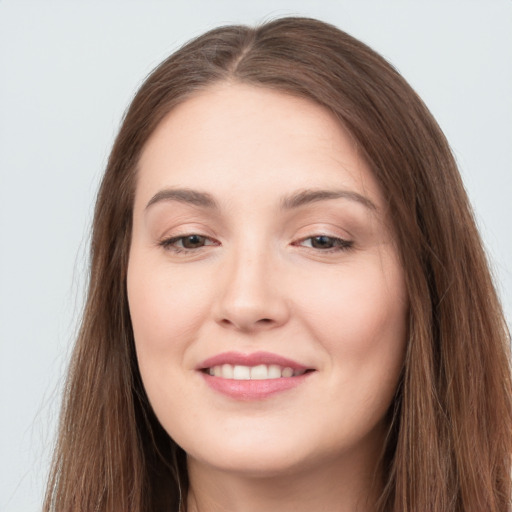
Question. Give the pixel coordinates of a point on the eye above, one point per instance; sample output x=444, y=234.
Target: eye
x=187, y=242
x=325, y=242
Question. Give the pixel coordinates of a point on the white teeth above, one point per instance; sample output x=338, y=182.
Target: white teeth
x=274, y=371
x=227, y=371
x=259, y=372
x=241, y=372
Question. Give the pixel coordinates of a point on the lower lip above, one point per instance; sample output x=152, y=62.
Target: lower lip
x=253, y=389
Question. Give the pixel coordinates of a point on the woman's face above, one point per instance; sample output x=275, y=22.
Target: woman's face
x=266, y=295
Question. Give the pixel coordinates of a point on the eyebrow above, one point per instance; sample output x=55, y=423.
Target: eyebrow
x=308, y=196
x=296, y=200
x=184, y=195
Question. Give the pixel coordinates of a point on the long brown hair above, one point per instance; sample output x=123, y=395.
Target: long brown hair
x=449, y=443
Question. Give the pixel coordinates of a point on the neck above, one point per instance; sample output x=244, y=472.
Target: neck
x=330, y=487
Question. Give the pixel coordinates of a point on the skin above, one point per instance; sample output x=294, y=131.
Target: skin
x=260, y=281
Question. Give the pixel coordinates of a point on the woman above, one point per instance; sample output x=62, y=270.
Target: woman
x=289, y=304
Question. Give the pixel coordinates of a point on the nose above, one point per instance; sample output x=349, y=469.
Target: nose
x=251, y=295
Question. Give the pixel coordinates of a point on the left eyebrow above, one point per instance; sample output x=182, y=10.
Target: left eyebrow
x=304, y=197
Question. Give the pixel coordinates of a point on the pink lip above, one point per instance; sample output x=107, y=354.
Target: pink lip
x=252, y=389
x=253, y=359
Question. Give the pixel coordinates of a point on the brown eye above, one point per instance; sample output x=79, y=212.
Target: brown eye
x=326, y=243
x=187, y=242
x=323, y=242
x=192, y=241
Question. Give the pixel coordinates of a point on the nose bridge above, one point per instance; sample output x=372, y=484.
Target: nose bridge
x=250, y=295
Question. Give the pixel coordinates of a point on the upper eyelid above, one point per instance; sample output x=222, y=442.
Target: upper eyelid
x=308, y=232
x=209, y=237
x=179, y=232
x=315, y=232
x=326, y=234
x=170, y=243
x=345, y=242
x=175, y=238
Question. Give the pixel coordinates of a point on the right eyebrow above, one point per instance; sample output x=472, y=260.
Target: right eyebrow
x=184, y=195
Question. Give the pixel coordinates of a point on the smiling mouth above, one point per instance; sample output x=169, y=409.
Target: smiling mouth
x=256, y=376
x=258, y=372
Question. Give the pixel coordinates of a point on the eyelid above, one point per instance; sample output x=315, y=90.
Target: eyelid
x=168, y=242
x=339, y=243
x=334, y=243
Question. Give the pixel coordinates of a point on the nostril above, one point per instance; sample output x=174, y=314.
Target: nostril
x=262, y=322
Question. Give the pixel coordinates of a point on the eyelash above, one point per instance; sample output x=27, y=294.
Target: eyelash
x=170, y=243
x=338, y=244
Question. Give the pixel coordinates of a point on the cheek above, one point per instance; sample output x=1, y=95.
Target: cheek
x=165, y=308
x=166, y=313
x=360, y=318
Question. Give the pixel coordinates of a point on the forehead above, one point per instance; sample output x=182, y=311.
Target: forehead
x=239, y=139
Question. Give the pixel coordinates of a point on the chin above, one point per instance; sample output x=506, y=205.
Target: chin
x=272, y=453
x=252, y=464
x=257, y=454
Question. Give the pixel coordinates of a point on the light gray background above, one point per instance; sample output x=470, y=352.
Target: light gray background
x=67, y=72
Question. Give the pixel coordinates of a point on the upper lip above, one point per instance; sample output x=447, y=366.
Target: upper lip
x=254, y=359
